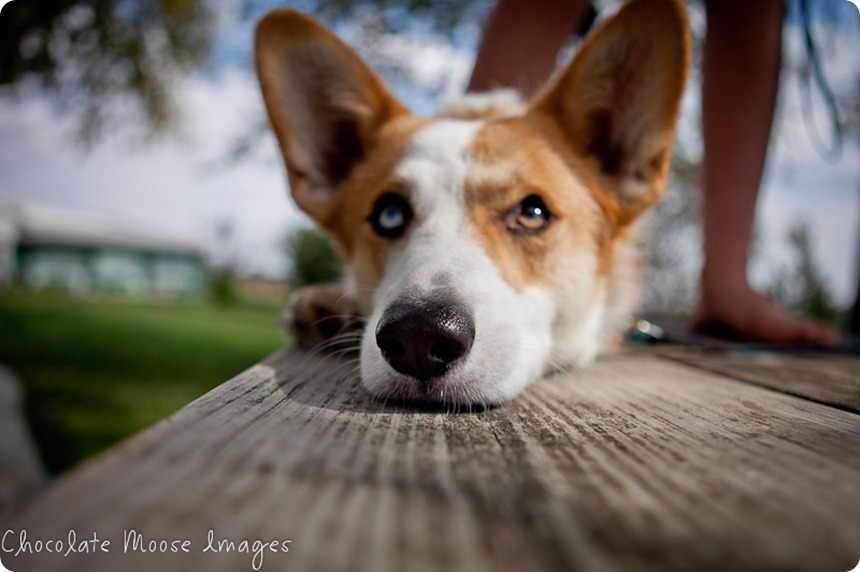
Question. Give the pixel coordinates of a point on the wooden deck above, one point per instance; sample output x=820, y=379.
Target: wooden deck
x=649, y=460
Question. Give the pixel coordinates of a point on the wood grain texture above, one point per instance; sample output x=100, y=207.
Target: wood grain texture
x=638, y=463
x=828, y=378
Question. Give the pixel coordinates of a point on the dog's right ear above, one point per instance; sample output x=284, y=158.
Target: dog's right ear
x=618, y=100
x=325, y=104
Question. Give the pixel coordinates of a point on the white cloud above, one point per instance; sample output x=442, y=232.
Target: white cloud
x=180, y=185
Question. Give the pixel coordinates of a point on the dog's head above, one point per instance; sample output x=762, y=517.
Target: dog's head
x=483, y=252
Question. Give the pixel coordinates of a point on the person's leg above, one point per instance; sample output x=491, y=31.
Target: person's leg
x=740, y=79
x=521, y=42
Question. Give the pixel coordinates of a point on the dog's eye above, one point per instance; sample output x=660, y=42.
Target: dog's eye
x=391, y=215
x=531, y=215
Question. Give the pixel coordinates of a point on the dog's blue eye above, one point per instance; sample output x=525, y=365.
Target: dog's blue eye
x=531, y=215
x=391, y=215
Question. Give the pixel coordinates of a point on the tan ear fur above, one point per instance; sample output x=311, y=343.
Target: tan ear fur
x=617, y=102
x=325, y=104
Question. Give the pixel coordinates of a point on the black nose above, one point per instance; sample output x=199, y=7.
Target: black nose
x=425, y=340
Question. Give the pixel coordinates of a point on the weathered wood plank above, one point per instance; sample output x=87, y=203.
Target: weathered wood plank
x=824, y=377
x=636, y=463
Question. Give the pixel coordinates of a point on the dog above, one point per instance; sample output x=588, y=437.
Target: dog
x=492, y=246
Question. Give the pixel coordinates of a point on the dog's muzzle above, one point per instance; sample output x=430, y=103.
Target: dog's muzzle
x=425, y=339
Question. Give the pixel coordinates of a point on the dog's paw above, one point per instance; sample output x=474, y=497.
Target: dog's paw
x=318, y=313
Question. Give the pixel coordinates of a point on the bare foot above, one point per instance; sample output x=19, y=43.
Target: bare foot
x=744, y=314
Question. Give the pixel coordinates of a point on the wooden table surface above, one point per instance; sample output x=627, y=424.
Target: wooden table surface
x=673, y=460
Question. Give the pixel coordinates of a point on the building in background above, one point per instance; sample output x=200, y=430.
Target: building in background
x=45, y=248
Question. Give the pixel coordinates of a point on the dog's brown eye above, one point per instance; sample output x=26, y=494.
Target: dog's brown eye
x=530, y=216
x=391, y=215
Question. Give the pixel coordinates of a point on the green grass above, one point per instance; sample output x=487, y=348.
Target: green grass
x=95, y=372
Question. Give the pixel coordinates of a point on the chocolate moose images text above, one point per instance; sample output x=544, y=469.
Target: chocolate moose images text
x=17, y=543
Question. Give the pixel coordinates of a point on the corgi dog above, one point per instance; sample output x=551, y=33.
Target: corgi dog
x=489, y=247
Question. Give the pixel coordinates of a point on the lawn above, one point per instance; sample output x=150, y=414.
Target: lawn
x=94, y=372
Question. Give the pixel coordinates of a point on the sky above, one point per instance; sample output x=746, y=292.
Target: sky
x=184, y=185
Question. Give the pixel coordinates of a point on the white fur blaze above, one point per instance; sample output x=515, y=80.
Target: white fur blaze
x=440, y=256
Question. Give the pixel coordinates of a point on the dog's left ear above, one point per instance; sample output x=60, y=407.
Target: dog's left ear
x=618, y=100
x=326, y=105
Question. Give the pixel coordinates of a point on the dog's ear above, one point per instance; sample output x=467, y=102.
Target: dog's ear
x=617, y=102
x=325, y=104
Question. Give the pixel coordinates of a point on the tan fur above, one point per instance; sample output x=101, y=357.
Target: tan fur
x=357, y=244
x=512, y=160
x=498, y=104
x=314, y=86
